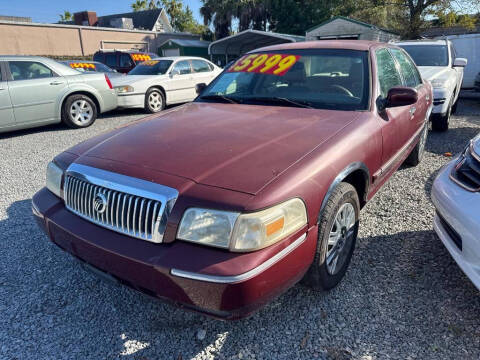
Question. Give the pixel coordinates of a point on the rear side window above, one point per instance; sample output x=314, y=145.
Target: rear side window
x=126, y=61
x=29, y=70
x=407, y=67
x=388, y=75
x=182, y=68
x=200, y=66
x=98, y=57
x=111, y=60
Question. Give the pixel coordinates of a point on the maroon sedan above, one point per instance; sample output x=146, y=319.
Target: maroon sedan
x=222, y=204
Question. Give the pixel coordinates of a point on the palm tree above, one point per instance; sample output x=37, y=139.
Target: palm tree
x=220, y=13
x=140, y=5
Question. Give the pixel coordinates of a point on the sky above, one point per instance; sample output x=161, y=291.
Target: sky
x=48, y=10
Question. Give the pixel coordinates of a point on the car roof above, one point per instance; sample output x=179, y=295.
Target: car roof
x=174, y=58
x=422, y=42
x=24, y=57
x=80, y=61
x=325, y=44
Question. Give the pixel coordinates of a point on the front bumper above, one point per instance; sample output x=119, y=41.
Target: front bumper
x=457, y=222
x=441, y=101
x=131, y=100
x=109, y=98
x=188, y=275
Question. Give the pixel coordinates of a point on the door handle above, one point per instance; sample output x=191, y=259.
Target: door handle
x=412, y=110
x=2, y=88
x=56, y=83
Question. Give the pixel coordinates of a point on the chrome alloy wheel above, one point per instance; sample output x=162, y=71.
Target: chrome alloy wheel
x=155, y=101
x=81, y=112
x=340, y=239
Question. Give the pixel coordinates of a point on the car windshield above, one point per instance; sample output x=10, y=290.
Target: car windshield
x=151, y=67
x=312, y=78
x=428, y=55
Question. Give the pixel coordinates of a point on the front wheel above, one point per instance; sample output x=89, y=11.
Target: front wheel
x=79, y=111
x=154, y=101
x=441, y=122
x=337, y=234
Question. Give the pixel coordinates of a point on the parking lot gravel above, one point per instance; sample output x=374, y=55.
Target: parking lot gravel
x=403, y=296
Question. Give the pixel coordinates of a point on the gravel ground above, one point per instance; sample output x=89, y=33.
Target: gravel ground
x=403, y=296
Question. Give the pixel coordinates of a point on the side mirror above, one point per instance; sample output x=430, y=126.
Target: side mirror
x=460, y=62
x=200, y=87
x=401, y=96
x=174, y=73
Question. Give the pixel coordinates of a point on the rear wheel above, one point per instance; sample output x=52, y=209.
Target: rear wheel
x=337, y=234
x=417, y=153
x=154, y=101
x=79, y=111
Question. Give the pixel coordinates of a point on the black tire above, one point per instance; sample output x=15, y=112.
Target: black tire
x=150, y=107
x=320, y=275
x=416, y=155
x=440, y=123
x=79, y=111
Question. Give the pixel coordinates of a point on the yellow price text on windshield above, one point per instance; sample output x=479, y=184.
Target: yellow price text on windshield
x=272, y=64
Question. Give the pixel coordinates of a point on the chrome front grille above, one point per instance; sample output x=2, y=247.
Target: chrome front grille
x=466, y=172
x=127, y=205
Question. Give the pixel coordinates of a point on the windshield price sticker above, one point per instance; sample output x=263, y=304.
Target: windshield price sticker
x=141, y=57
x=82, y=65
x=272, y=64
x=150, y=63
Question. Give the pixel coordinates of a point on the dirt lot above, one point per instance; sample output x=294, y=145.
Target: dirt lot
x=403, y=296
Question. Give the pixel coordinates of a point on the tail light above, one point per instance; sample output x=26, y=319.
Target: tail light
x=109, y=83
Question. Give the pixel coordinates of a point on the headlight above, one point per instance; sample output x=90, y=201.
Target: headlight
x=124, y=89
x=439, y=83
x=242, y=232
x=54, y=179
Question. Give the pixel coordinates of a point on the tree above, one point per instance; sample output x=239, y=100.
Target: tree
x=181, y=18
x=140, y=5
x=412, y=16
x=220, y=14
x=66, y=16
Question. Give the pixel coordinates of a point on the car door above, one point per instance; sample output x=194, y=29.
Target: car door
x=412, y=79
x=34, y=91
x=202, y=72
x=395, y=119
x=7, y=117
x=180, y=84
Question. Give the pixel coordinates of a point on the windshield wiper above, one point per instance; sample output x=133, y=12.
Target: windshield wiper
x=219, y=97
x=282, y=100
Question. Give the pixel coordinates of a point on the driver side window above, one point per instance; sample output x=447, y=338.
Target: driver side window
x=387, y=73
x=29, y=70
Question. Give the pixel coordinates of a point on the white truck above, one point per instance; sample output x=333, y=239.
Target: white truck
x=437, y=62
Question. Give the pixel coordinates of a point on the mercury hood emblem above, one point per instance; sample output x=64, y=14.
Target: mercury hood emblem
x=100, y=203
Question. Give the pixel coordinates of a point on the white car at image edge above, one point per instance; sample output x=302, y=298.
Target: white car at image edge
x=456, y=197
x=153, y=84
x=438, y=63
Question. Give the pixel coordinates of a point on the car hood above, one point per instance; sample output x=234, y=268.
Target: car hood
x=433, y=72
x=136, y=79
x=235, y=147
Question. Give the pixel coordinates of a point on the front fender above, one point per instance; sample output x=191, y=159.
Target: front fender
x=342, y=176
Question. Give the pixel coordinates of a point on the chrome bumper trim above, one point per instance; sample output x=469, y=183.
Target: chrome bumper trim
x=241, y=277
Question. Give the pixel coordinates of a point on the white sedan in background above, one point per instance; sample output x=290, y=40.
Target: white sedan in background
x=456, y=196
x=153, y=84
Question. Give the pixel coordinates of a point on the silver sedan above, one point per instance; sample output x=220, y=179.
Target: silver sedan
x=36, y=91
x=456, y=196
